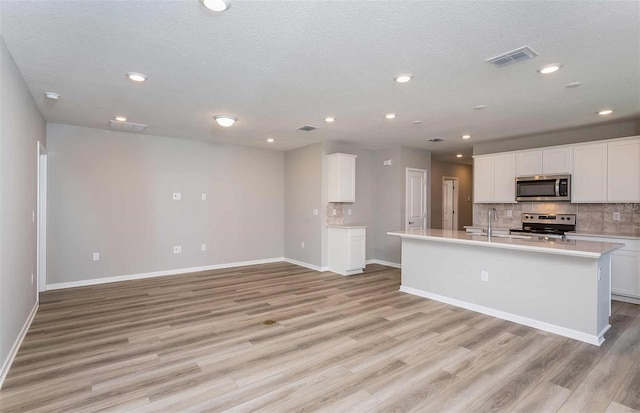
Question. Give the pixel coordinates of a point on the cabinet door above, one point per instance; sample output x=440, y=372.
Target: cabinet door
x=624, y=171
x=557, y=161
x=589, y=180
x=504, y=178
x=342, y=177
x=625, y=273
x=483, y=179
x=357, y=252
x=529, y=163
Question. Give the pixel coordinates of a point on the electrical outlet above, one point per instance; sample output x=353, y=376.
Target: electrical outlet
x=349, y=211
x=203, y=247
x=96, y=256
x=509, y=213
x=203, y=196
x=315, y=211
x=302, y=244
x=616, y=216
x=334, y=212
x=31, y=278
x=177, y=196
x=177, y=249
x=484, y=276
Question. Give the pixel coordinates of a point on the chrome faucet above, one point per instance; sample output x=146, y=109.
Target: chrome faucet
x=492, y=214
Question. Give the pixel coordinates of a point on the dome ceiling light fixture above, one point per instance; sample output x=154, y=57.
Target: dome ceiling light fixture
x=137, y=77
x=271, y=140
x=550, y=68
x=225, y=120
x=121, y=118
x=605, y=112
x=390, y=116
x=466, y=136
x=52, y=95
x=403, y=77
x=216, y=5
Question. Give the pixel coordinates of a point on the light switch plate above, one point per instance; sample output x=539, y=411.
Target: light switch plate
x=177, y=249
x=203, y=247
x=302, y=244
x=177, y=196
x=96, y=256
x=203, y=196
x=616, y=216
x=349, y=211
x=315, y=211
x=484, y=276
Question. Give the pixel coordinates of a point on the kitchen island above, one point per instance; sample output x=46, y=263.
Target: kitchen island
x=560, y=286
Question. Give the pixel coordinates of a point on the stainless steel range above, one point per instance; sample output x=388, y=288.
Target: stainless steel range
x=554, y=225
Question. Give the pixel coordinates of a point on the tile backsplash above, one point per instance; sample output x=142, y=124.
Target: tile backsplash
x=596, y=218
x=337, y=219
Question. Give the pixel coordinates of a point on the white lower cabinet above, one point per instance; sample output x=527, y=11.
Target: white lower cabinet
x=347, y=249
x=625, y=265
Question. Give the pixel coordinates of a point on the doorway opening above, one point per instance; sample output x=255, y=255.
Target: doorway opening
x=41, y=265
x=450, y=202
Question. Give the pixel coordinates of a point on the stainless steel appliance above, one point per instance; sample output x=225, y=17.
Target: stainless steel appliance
x=543, y=188
x=551, y=225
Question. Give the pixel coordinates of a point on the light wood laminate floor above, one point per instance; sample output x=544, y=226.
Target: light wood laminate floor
x=197, y=342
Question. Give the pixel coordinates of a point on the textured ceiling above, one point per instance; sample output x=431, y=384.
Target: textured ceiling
x=279, y=65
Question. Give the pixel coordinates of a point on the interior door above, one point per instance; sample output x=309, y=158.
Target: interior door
x=447, y=204
x=416, y=199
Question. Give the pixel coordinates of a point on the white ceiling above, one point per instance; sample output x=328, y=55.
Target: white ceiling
x=279, y=65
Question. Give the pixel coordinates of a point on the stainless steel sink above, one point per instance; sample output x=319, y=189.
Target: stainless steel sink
x=482, y=234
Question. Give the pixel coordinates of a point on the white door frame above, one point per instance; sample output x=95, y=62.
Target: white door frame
x=406, y=196
x=456, y=182
x=41, y=264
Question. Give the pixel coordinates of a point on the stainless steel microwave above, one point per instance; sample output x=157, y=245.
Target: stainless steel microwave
x=543, y=188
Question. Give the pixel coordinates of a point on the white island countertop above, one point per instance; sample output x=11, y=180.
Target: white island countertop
x=576, y=248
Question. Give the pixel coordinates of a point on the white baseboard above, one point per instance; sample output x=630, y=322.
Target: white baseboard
x=540, y=325
x=129, y=277
x=387, y=263
x=16, y=345
x=305, y=265
x=625, y=299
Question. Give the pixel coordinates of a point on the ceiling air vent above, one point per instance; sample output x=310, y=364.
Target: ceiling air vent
x=518, y=55
x=308, y=128
x=127, y=126
x=435, y=140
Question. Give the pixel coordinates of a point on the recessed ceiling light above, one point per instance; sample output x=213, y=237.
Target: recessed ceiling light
x=329, y=119
x=573, y=84
x=466, y=136
x=137, y=77
x=121, y=119
x=416, y=122
x=271, y=140
x=390, y=116
x=52, y=95
x=605, y=112
x=459, y=155
x=480, y=107
x=546, y=69
x=403, y=77
x=225, y=120
x=216, y=5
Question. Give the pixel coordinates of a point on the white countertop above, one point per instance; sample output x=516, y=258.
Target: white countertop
x=601, y=235
x=577, y=248
x=346, y=226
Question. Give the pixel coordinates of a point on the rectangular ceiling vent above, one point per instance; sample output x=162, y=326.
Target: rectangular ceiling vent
x=436, y=140
x=308, y=128
x=514, y=56
x=127, y=126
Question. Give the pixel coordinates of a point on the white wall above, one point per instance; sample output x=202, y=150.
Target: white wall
x=111, y=192
x=21, y=127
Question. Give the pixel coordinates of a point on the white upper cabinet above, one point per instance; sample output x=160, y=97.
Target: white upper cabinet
x=342, y=177
x=529, y=163
x=624, y=171
x=505, y=178
x=550, y=161
x=557, y=161
x=483, y=179
x=589, y=179
x=494, y=178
